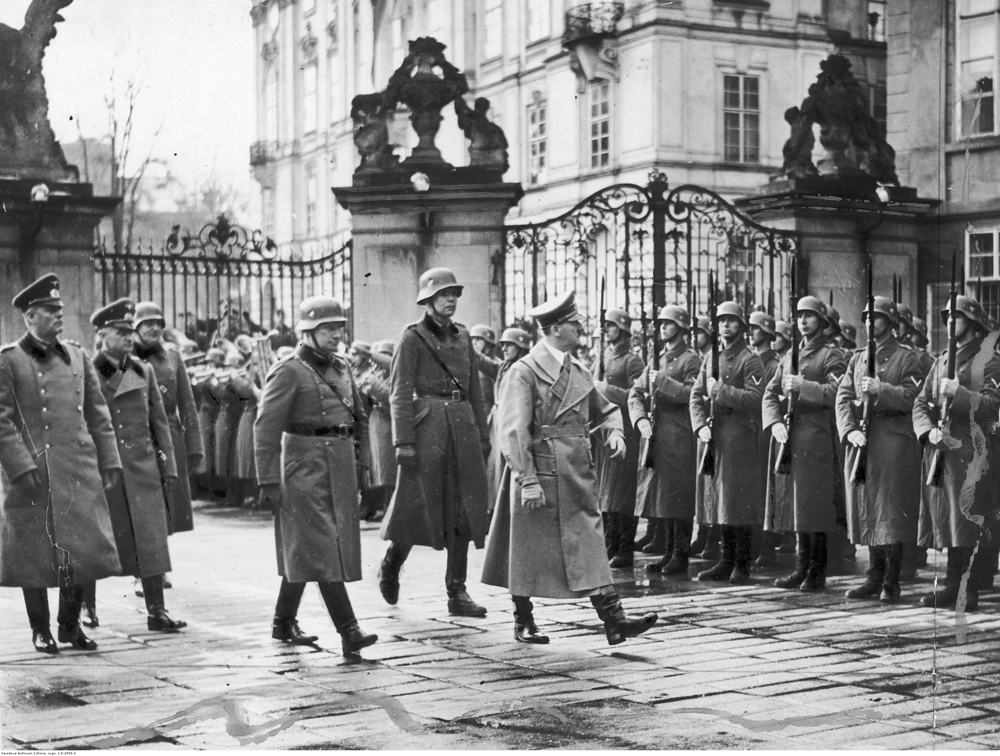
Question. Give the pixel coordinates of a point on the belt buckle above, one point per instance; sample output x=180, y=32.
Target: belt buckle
x=342, y=431
x=456, y=395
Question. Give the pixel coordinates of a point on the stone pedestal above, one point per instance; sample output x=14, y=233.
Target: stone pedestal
x=831, y=217
x=51, y=236
x=399, y=233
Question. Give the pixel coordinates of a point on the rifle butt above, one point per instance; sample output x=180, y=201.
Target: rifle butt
x=706, y=465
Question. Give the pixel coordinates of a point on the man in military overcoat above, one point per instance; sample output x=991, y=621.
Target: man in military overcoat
x=806, y=499
x=547, y=539
x=442, y=439
x=139, y=502
x=762, y=334
x=374, y=388
x=707, y=544
x=57, y=455
x=952, y=512
x=178, y=403
x=882, y=511
x=484, y=342
x=724, y=411
x=658, y=406
x=310, y=436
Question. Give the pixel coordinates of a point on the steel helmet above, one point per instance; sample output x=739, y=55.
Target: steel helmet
x=920, y=331
x=244, y=344
x=385, y=346
x=905, y=314
x=968, y=307
x=783, y=329
x=485, y=333
x=833, y=318
x=813, y=304
x=730, y=309
x=517, y=337
x=850, y=335
x=435, y=281
x=676, y=315
x=361, y=347
x=887, y=307
x=704, y=325
x=148, y=311
x=764, y=322
x=315, y=311
x=619, y=318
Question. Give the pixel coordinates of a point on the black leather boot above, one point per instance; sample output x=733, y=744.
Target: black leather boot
x=677, y=562
x=698, y=544
x=802, y=550
x=890, y=582
x=610, y=521
x=338, y=604
x=789, y=543
x=874, y=576
x=36, y=602
x=659, y=543
x=769, y=543
x=288, y=631
x=947, y=598
x=641, y=543
x=89, y=607
x=158, y=619
x=908, y=565
x=459, y=602
x=619, y=626
x=724, y=568
x=815, y=580
x=742, y=540
x=388, y=573
x=525, y=629
x=625, y=558
x=984, y=567
x=713, y=545
x=353, y=639
x=70, y=602
x=285, y=627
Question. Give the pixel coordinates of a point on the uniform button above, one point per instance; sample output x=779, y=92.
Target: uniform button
x=42, y=391
x=79, y=408
x=121, y=427
x=39, y=375
x=48, y=427
x=45, y=409
x=48, y=446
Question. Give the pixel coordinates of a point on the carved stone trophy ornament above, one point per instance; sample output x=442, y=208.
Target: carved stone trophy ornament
x=28, y=147
x=487, y=142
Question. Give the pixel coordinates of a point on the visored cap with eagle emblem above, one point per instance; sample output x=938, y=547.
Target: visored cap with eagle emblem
x=44, y=291
x=560, y=309
x=118, y=314
x=315, y=311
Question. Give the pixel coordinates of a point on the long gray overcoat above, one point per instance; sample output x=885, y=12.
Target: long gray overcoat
x=138, y=504
x=948, y=514
x=185, y=429
x=546, y=417
x=806, y=500
x=53, y=419
x=316, y=529
x=496, y=370
x=735, y=496
x=617, y=478
x=668, y=489
x=375, y=390
x=449, y=480
x=886, y=508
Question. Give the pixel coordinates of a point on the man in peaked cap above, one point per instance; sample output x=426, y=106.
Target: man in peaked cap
x=547, y=540
x=310, y=435
x=439, y=428
x=139, y=502
x=57, y=455
x=616, y=479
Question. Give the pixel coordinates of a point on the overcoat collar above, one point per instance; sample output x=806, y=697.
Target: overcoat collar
x=738, y=345
x=570, y=392
x=107, y=367
x=318, y=361
x=145, y=351
x=810, y=347
x=673, y=351
x=39, y=351
x=618, y=349
x=767, y=355
x=450, y=331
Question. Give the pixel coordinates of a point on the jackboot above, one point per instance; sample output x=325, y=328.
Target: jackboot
x=288, y=631
x=70, y=601
x=742, y=536
x=958, y=565
x=713, y=544
x=285, y=626
x=815, y=580
x=36, y=602
x=610, y=520
x=641, y=543
x=768, y=549
x=459, y=602
x=625, y=558
x=789, y=543
x=388, y=573
x=724, y=568
x=659, y=543
x=698, y=544
x=525, y=629
x=677, y=562
x=908, y=566
x=158, y=619
x=802, y=549
x=890, y=583
x=619, y=626
x=338, y=604
x=983, y=567
x=90, y=605
x=874, y=576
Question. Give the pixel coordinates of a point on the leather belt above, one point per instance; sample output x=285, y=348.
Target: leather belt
x=339, y=431
x=562, y=431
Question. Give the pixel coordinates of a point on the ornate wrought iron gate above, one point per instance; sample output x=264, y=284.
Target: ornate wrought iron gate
x=229, y=280
x=654, y=246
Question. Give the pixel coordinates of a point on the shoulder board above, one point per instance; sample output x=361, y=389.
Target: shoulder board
x=459, y=325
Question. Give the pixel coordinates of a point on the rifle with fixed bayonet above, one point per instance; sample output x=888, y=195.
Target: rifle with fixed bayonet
x=604, y=314
x=707, y=466
x=936, y=468
x=783, y=463
x=859, y=472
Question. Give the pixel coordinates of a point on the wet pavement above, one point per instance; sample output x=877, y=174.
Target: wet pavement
x=727, y=667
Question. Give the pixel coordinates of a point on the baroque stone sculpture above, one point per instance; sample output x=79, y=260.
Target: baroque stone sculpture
x=487, y=142
x=847, y=131
x=28, y=147
x=371, y=132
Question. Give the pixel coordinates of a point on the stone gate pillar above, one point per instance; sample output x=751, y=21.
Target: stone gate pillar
x=420, y=213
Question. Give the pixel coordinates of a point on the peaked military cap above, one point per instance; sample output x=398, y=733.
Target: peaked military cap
x=118, y=314
x=44, y=291
x=560, y=309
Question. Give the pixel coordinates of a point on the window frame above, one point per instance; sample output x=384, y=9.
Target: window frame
x=994, y=232
x=542, y=10
x=742, y=111
x=603, y=118
x=492, y=7
x=312, y=202
x=962, y=99
x=537, y=178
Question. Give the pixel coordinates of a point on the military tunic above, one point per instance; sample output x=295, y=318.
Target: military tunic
x=668, y=489
x=735, y=498
x=547, y=413
x=946, y=518
x=447, y=426
x=885, y=510
x=806, y=500
x=139, y=504
x=616, y=478
x=54, y=419
x=185, y=429
x=316, y=529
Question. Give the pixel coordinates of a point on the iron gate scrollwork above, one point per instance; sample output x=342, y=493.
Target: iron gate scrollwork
x=655, y=246
x=225, y=279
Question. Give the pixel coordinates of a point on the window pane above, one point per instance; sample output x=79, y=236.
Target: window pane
x=750, y=94
x=493, y=28
x=731, y=136
x=309, y=99
x=731, y=92
x=751, y=138
x=981, y=254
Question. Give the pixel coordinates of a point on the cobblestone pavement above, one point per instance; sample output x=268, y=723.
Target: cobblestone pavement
x=729, y=667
